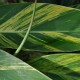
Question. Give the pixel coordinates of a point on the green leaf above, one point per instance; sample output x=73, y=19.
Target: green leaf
x=12, y=68
x=59, y=66
x=56, y=28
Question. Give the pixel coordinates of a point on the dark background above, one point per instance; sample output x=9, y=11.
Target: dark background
x=59, y=2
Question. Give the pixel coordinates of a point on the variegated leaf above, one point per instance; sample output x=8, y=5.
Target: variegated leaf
x=59, y=66
x=55, y=28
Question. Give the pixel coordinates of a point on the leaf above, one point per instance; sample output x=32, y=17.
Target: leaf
x=56, y=28
x=59, y=66
x=12, y=68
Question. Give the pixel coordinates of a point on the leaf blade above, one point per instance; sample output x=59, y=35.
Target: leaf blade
x=12, y=68
x=54, y=28
x=59, y=66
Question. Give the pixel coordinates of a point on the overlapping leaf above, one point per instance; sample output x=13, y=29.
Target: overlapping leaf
x=56, y=28
x=12, y=68
x=59, y=66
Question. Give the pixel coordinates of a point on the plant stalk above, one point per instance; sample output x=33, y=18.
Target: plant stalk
x=27, y=33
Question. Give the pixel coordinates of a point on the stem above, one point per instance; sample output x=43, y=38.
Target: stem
x=27, y=33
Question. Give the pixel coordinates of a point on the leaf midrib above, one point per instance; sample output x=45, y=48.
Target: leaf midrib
x=38, y=31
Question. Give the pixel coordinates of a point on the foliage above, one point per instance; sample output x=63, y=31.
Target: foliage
x=49, y=32
x=12, y=68
x=55, y=29
x=59, y=66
